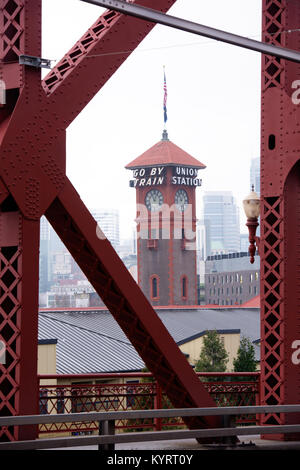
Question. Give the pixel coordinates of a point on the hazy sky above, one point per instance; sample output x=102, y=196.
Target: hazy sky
x=213, y=102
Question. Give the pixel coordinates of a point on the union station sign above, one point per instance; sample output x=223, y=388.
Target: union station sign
x=157, y=175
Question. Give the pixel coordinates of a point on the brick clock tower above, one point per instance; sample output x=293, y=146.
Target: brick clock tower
x=165, y=179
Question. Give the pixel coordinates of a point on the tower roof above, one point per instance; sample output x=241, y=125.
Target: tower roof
x=165, y=152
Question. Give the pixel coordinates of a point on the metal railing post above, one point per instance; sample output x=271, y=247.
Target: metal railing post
x=228, y=421
x=106, y=428
x=158, y=406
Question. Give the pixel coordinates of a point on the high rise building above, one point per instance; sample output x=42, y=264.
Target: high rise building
x=255, y=174
x=108, y=221
x=222, y=214
x=44, y=255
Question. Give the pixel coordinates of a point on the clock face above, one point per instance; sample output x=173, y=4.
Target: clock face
x=181, y=200
x=154, y=200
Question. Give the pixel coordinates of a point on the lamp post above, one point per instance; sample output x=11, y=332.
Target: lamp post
x=251, y=206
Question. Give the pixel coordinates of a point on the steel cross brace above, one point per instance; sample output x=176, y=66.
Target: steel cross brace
x=33, y=182
x=148, y=14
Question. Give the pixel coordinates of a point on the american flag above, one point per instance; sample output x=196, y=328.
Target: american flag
x=165, y=99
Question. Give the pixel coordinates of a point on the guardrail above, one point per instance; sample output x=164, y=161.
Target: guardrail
x=139, y=391
x=108, y=439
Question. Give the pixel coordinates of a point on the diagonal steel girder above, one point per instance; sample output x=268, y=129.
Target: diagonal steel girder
x=33, y=182
x=155, y=16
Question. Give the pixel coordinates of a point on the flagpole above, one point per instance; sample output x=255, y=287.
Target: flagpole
x=165, y=134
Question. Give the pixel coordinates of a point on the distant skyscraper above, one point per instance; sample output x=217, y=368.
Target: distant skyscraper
x=222, y=214
x=203, y=238
x=244, y=242
x=255, y=174
x=108, y=221
x=44, y=255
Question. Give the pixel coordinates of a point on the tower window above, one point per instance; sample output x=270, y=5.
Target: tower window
x=184, y=287
x=154, y=287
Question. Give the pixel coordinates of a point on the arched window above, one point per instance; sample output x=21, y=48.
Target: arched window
x=184, y=287
x=154, y=287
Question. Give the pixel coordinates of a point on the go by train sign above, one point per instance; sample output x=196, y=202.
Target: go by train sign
x=158, y=175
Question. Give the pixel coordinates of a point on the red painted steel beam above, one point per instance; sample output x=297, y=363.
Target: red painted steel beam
x=280, y=216
x=20, y=24
x=33, y=180
x=19, y=256
x=98, y=54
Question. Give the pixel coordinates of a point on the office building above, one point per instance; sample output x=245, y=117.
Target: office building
x=108, y=221
x=222, y=214
x=230, y=279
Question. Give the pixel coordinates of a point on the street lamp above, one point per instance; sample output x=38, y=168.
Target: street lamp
x=252, y=210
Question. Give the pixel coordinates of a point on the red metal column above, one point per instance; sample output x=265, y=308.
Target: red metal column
x=19, y=236
x=32, y=146
x=19, y=257
x=280, y=235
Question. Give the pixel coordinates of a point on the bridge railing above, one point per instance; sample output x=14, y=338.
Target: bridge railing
x=134, y=391
x=107, y=438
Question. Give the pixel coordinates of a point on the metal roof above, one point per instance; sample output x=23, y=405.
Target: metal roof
x=167, y=153
x=91, y=340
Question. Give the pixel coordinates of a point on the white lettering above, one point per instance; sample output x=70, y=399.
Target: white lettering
x=2, y=93
x=149, y=181
x=119, y=460
x=296, y=354
x=160, y=169
x=142, y=182
x=160, y=180
x=99, y=233
x=153, y=171
x=296, y=94
x=171, y=459
x=2, y=352
x=157, y=459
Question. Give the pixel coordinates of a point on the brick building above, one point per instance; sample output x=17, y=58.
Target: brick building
x=230, y=279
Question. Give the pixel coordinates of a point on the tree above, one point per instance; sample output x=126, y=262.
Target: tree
x=213, y=356
x=245, y=360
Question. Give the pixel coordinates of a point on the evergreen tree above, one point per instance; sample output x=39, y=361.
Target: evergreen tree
x=213, y=356
x=245, y=360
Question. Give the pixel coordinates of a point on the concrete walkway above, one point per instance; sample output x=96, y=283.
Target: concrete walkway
x=246, y=443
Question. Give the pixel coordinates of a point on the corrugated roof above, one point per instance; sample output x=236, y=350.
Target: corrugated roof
x=80, y=350
x=92, y=341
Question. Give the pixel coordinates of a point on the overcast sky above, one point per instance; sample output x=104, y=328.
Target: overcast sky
x=213, y=102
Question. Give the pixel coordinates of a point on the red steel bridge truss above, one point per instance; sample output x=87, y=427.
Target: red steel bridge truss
x=33, y=183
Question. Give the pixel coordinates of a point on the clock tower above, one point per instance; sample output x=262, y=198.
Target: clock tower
x=165, y=178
